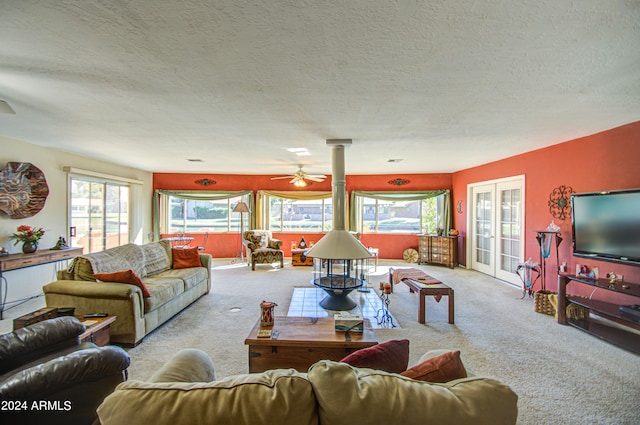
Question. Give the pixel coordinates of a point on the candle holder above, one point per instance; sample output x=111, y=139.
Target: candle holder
x=385, y=317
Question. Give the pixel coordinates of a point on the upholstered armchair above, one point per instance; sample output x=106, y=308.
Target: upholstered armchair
x=261, y=248
x=50, y=377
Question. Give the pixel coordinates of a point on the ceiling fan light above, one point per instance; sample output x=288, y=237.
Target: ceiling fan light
x=299, y=183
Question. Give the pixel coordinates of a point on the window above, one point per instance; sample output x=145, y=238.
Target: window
x=400, y=212
x=197, y=216
x=297, y=211
x=99, y=213
x=198, y=211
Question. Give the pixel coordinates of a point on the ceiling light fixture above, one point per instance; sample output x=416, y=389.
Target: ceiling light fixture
x=194, y=160
x=5, y=108
x=300, y=183
x=300, y=151
x=394, y=160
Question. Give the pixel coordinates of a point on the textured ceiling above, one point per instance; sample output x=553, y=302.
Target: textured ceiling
x=442, y=85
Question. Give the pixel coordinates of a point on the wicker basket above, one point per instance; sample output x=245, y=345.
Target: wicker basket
x=542, y=304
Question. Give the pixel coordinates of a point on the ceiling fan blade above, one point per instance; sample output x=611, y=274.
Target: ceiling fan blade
x=317, y=176
x=283, y=177
x=314, y=179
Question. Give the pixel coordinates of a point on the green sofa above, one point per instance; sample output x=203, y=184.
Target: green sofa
x=185, y=391
x=171, y=290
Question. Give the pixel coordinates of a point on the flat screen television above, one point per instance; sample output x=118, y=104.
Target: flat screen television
x=606, y=225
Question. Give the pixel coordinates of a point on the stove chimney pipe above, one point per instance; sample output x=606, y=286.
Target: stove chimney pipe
x=338, y=244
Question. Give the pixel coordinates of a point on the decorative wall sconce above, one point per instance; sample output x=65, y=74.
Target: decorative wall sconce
x=459, y=207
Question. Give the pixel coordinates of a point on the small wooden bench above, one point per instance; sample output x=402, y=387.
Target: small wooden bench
x=432, y=287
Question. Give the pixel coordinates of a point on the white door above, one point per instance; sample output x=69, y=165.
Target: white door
x=482, y=230
x=496, y=230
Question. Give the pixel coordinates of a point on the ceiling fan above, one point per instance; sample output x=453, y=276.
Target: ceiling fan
x=299, y=178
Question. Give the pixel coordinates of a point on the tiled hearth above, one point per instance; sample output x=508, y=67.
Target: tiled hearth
x=305, y=303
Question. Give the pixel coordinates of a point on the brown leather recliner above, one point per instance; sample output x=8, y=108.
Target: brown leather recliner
x=48, y=377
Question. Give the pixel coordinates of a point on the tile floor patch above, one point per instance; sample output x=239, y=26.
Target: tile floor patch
x=305, y=303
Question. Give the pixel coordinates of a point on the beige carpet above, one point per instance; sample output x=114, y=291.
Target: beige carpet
x=562, y=375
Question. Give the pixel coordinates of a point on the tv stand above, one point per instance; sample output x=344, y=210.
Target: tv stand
x=624, y=336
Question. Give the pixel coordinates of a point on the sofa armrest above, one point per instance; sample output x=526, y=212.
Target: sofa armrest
x=188, y=365
x=64, y=275
x=24, y=345
x=206, y=260
x=59, y=373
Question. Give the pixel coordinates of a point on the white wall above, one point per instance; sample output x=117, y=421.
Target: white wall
x=53, y=218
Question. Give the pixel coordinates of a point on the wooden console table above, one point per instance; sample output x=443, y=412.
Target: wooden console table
x=626, y=339
x=21, y=261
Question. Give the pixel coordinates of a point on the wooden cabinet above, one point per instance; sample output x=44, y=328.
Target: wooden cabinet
x=299, y=259
x=438, y=250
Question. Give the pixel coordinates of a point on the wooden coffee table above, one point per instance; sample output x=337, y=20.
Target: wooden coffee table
x=301, y=342
x=98, y=329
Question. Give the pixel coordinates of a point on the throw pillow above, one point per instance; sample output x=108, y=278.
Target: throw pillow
x=390, y=356
x=184, y=258
x=443, y=368
x=124, y=276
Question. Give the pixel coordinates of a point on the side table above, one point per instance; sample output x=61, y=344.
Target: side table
x=299, y=259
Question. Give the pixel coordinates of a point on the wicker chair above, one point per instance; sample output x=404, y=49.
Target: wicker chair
x=262, y=249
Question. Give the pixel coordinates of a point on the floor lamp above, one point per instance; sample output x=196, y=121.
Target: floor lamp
x=241, y=207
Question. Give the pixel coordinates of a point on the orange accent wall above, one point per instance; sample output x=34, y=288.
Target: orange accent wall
x=602, y=161
x=227, y=245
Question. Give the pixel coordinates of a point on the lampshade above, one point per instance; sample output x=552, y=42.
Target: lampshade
x=300, y=183
x=5, y=108
x=241, y=207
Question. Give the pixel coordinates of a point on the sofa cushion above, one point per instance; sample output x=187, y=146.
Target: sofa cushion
x=349, y=395
x=156, y=259
x=191, y=277
x=443, y=368
x=124, y=276
x=184, y=258
x=281, y=396
x=390, y=356
x=162, y=290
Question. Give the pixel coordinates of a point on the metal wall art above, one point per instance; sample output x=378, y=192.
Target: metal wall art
x=560, y=202
x=205, y=182
x=399, y=182
x=23, y=190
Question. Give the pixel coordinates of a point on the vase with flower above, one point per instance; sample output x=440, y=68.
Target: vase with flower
x=29, y=236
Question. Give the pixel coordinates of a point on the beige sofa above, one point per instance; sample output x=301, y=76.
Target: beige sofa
x=184, y=390
x=171, y=290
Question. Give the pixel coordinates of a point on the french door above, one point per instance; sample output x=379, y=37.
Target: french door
x=497, y=223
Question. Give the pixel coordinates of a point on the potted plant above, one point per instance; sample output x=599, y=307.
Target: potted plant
x=29, y=237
